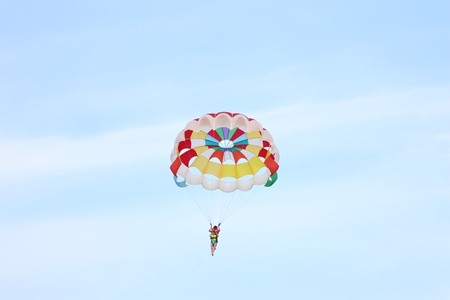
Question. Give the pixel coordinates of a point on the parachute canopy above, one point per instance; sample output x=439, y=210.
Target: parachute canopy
x=224, y=151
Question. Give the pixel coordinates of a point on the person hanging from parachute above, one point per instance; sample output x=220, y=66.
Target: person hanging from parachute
x=223, y=154
x=214, y=236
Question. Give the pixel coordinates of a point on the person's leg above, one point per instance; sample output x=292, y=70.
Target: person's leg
x=213, y=246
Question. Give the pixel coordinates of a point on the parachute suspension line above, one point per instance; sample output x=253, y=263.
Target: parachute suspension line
x=214, y=204
x=209, y=202
x=217, y=199
x=241, y=200
x=227, y=205
x=198, y=197
x=230, y=207
x=227, y=199
x=217, y=206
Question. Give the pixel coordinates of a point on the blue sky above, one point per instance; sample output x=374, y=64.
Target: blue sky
x=356, y=96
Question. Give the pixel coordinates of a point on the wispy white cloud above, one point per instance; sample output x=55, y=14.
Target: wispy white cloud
x=445, y=137
x=144, y=236
x=314, y=115
x=306, y=219
x=40, y=156
x=37, y=156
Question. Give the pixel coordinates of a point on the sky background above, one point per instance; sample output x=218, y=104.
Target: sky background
x=356, y=96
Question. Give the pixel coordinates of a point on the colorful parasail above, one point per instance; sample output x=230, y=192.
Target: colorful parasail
x=226, y=152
